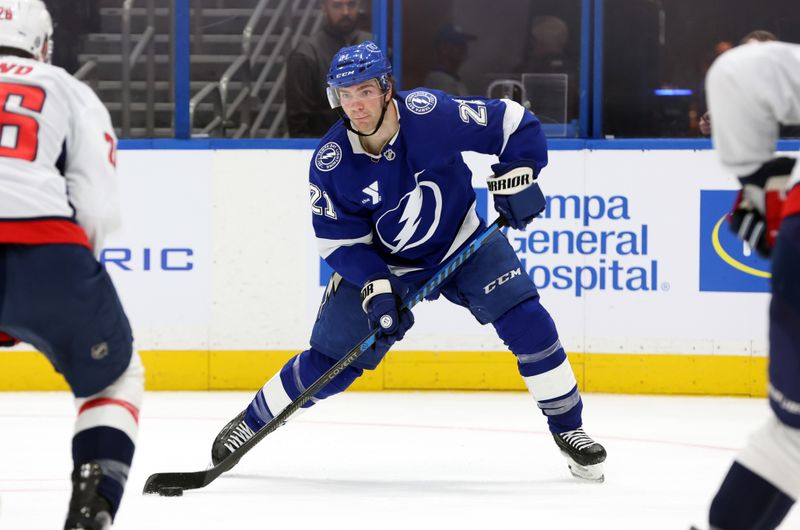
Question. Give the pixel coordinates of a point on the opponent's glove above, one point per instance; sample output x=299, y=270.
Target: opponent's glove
x=383, y=303
x=516, y=196
x=756, y=214
x=7, y=341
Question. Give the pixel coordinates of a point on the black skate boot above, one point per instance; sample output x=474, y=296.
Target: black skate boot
x=87, y=509
x=230, y=438
x=584, y=456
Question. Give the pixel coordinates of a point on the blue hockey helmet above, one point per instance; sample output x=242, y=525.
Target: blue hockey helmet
x=355, y=64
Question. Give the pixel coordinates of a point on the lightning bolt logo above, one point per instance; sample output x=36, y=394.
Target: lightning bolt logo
x=410, y=220
x=406, y=223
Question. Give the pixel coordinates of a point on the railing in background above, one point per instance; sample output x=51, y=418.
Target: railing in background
x=310, y=15
x=247, y=100
x=129, y=60
x=239, y=108
x=248, y=60
x=88, y=72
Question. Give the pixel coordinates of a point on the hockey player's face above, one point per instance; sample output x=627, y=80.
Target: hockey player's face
x=363, y=104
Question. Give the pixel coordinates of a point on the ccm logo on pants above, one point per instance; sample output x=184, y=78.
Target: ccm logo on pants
x=501, y=280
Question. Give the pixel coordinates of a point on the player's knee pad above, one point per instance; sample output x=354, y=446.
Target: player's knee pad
x=747, y=500
x=116, y=406
x=530, y=333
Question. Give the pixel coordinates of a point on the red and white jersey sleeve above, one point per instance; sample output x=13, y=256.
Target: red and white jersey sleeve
x=58, y=179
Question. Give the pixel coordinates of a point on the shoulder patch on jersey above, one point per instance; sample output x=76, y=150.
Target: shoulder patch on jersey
x=420, y=102
x=328, y=157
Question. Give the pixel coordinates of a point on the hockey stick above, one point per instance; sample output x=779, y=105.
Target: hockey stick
x=175, y=483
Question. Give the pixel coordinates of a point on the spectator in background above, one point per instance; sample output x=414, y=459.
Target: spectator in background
x=308, y=113
x=450, y=47
x=546, y=53
x=758, y=35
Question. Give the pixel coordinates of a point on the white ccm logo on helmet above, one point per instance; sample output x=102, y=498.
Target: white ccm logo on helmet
x=501, y=280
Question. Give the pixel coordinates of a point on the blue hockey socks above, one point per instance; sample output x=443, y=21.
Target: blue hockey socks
x=531, y=335
x=296, y=375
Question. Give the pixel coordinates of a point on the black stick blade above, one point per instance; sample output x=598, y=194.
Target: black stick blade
x=187, y=481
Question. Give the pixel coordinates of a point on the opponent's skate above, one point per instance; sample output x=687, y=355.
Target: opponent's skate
x=87, y=509
x=230, y=438
x=584, y=456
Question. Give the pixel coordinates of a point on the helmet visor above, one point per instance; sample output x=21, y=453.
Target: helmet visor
x=339, y=96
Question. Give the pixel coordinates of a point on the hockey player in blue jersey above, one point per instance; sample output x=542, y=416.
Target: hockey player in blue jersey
x=392, y=199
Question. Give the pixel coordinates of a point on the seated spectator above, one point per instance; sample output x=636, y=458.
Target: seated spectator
x=308, y=113
x=546, y=52
x=450, y=47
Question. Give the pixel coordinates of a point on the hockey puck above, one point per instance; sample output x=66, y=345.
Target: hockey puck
x=170, y=491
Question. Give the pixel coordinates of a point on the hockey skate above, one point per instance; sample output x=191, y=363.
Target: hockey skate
x=230, y=438
x=584, y=456
x=87, y=509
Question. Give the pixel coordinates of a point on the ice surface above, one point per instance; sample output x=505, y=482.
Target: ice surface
x=472, y=460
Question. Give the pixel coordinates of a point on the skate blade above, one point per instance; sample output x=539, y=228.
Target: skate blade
x=592, y=473
x=587, y=473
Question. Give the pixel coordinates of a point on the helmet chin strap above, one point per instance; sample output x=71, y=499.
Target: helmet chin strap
x=350, y=127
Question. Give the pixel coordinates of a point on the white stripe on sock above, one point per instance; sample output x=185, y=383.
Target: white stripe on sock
x=553, y=383
x=275, y=395
x=110, y=415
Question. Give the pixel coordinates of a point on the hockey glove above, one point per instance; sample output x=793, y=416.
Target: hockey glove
x=383, y=303
x=516, y=196
x=757, y=211
x=7, y=341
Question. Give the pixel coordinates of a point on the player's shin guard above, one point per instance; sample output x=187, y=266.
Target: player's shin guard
x=105, y=438
x=276, y=394
x=531, y=335
x=747, y=501
x=296, y=375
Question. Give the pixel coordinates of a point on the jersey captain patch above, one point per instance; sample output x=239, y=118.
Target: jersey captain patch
x=328, y=157
x=420, y=102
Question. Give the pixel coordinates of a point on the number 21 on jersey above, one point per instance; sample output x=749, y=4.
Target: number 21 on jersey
x=316, y=195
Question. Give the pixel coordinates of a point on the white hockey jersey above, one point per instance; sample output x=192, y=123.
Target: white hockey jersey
x=751, y=90
x=57, y=158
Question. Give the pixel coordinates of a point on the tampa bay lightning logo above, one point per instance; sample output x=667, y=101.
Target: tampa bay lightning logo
x=328, y=157
x=420, y=102
x=413, y=221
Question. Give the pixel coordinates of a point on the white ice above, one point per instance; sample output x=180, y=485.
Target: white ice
x=394, y=461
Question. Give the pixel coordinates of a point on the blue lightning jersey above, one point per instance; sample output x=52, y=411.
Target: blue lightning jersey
x=407, y=209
